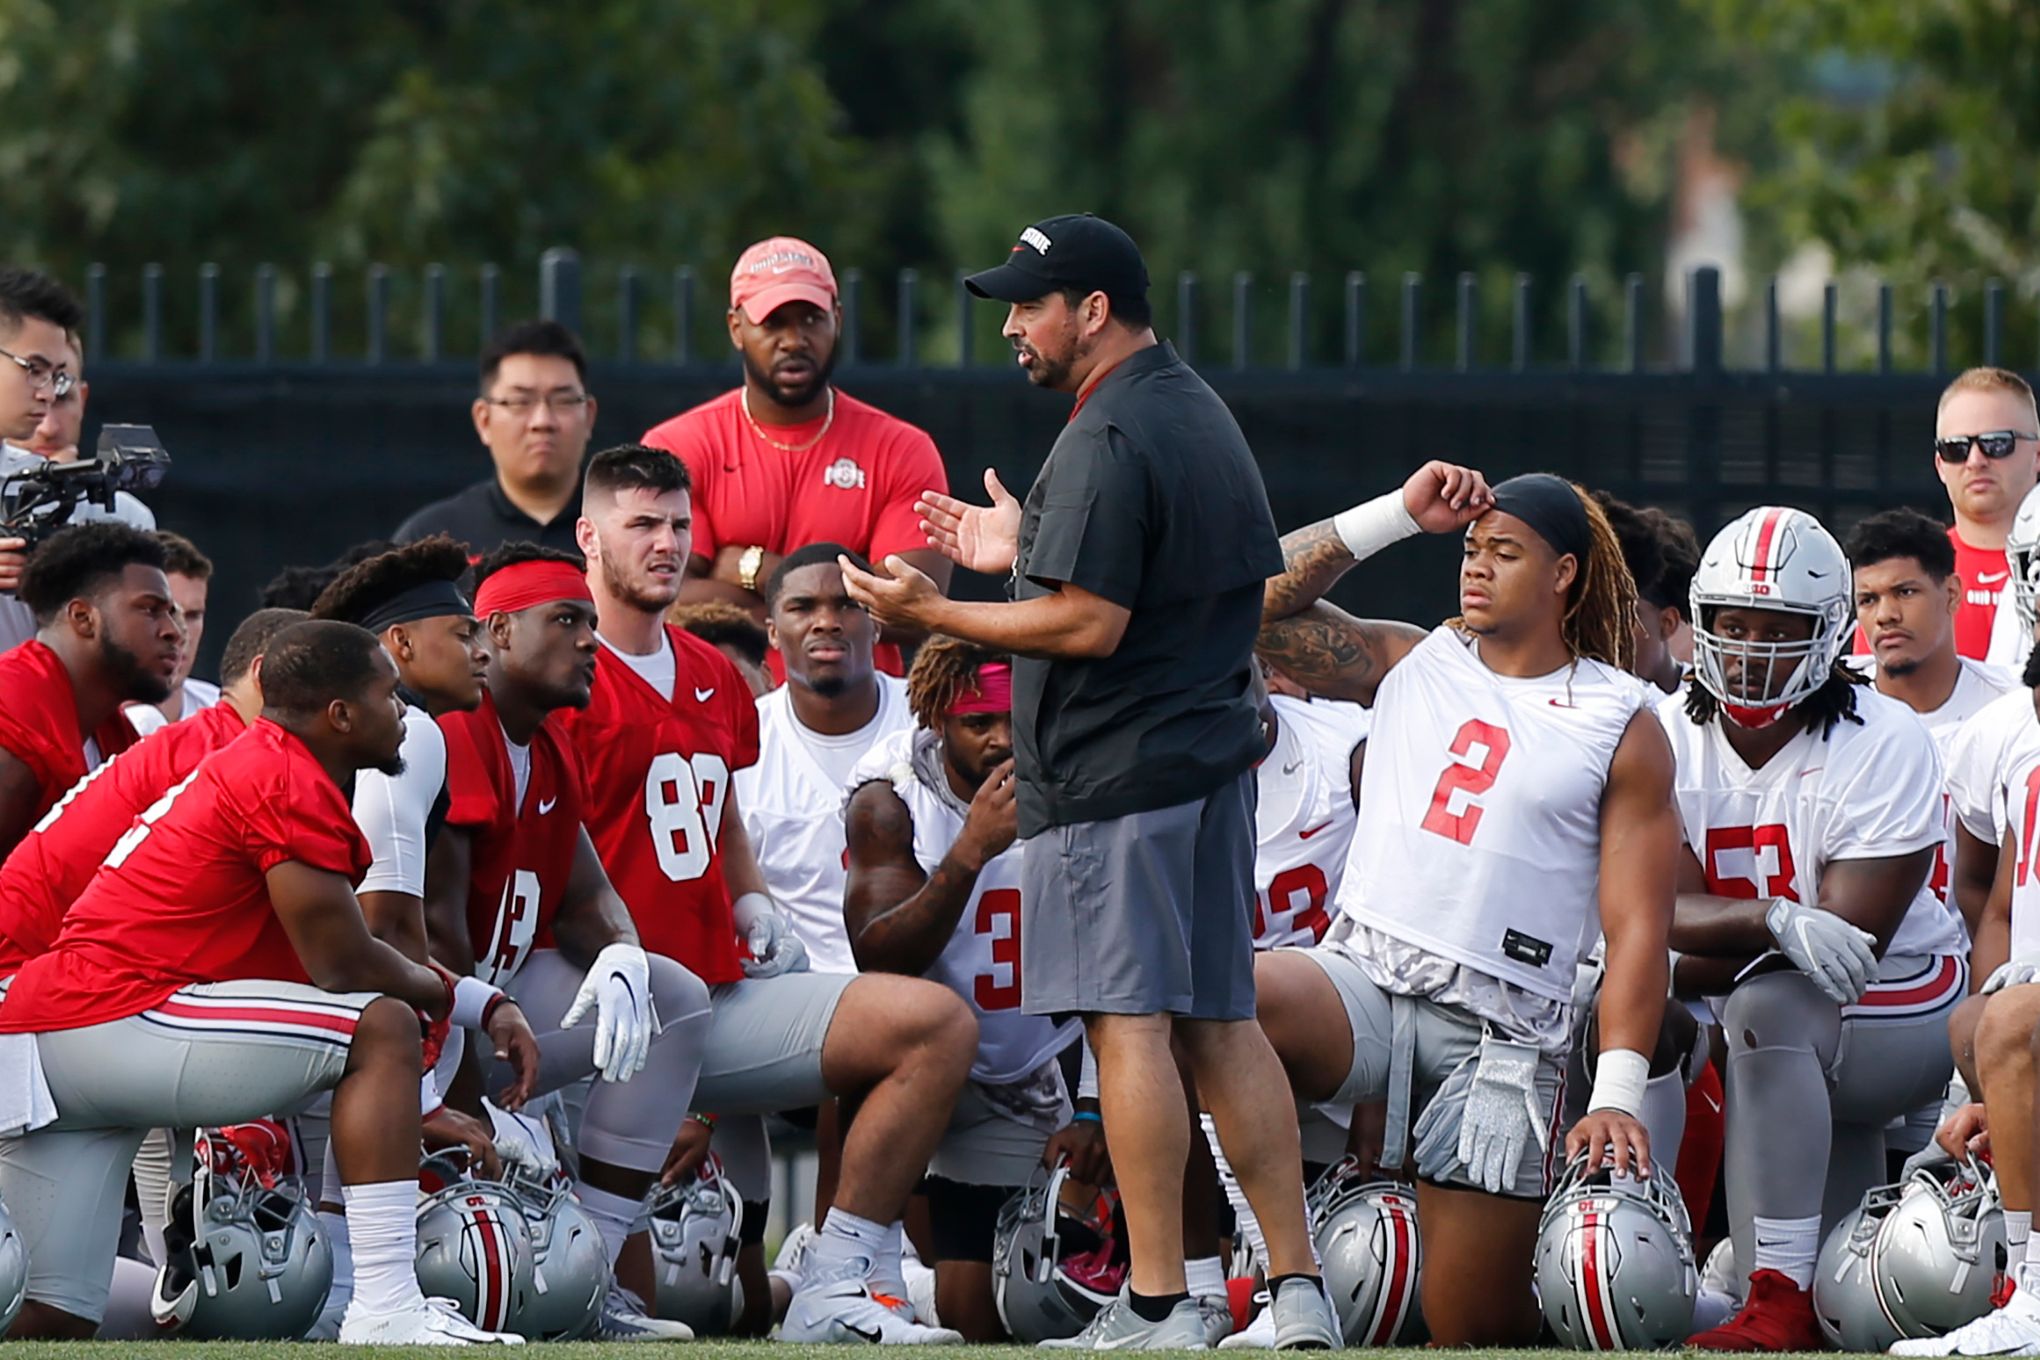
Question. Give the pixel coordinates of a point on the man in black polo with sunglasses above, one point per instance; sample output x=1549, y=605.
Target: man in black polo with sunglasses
x=1987, y=450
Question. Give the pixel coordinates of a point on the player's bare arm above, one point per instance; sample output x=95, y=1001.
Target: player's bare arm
x=740, y=862
x=1333, y=654
x=320, y=915
x=448, y=869
x=1873, y=894
x=1639, y=869
x=900, y=919
x=19, y=794
x=591, y=916
x=1991, y=943
x=398, y=920
x=1974, y=872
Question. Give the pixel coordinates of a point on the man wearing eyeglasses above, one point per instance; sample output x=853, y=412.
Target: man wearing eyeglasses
x=534, y=414
x=1987, y=450
x=39, y=386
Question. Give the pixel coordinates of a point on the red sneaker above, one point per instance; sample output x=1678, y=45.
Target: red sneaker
x=1778, y=1316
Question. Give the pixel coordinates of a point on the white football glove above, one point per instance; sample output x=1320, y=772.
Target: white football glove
x=1498, y=1115
x=1838, y=957
x=619, y=988
x=2010, y=973
x=775, y=949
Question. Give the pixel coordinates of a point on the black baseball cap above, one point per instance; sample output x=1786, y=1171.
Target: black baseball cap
x=1076, y=250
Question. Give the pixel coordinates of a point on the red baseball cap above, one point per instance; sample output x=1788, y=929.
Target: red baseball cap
x=780, y=270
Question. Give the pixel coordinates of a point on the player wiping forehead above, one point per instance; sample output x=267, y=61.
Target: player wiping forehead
x=1508, y=747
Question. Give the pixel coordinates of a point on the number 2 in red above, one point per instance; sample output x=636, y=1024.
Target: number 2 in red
x=1458, y=820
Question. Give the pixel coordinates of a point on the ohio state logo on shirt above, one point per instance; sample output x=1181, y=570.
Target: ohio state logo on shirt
x=843, y=473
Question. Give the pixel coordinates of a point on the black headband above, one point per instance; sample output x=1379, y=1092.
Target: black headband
x=426, y=600
x=1549, y=505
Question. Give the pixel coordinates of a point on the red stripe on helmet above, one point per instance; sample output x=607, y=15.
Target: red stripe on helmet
x=1767, y=533
x=1394, y=1304
x=1594, y=1279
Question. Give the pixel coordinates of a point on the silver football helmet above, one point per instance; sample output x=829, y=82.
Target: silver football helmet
x=247, y=1258
x=13, y=1271
x=1052, y=1270
x=1940, y=1252
x=474, y=1247
x=1615, y=1269
x=1366, y=1233
x=695, y=1230
x=569, y=1263
x=1844, y=1286
x=2022, y=555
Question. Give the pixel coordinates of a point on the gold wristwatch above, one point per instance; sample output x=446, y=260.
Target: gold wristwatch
x=748, y=563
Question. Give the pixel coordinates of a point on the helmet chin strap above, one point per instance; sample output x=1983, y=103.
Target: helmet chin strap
x=1755, y=719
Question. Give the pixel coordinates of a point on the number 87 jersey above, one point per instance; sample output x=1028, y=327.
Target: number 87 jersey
x=659, y=768
x=1479, y=836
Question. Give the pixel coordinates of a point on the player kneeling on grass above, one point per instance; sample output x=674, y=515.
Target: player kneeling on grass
x=934, y=892
x=218, y=969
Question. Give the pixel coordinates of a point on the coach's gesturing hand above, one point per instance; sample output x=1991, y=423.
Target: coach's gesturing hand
x=982, y=537
x=619, y=989
x=1838, y=957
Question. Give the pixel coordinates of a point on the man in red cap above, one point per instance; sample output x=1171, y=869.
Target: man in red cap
x=786, y=459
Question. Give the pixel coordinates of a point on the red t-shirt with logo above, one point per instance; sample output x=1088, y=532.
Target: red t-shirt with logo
x=182, y=899
x=856, y=486
x=55, y=861
x=1984, y=574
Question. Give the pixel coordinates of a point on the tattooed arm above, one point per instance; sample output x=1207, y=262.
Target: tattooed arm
x=1322, y=647
x=899, y=918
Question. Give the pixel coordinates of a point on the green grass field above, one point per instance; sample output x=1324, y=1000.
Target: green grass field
x=700, y=1350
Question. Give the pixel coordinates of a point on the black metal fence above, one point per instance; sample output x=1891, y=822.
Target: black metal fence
x=287, y=453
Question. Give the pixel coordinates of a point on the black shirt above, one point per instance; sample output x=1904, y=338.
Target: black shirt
x=1150, y=498
x=484, y=518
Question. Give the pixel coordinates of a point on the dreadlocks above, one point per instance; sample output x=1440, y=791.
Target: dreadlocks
x=1834, y=701
x=943, y=669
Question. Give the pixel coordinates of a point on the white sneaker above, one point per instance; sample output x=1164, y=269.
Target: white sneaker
x=1258, y=1335
x=624, y=1319
x=2009, y=1330
x=1216, y=1311
x=432, y=1322
x=837, y=1306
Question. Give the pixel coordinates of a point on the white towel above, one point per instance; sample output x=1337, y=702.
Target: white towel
x=25, y=1101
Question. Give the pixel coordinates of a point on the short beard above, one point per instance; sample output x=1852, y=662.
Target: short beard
x=1900, y=668
x=632, y=596
x=790, y=397
x=131, y=679
x=392, y=767
x=828, y=686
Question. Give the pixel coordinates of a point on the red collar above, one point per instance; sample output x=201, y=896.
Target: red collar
x=1097, y=382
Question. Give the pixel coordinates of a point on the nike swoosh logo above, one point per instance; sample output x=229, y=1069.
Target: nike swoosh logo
x=873, y=1335
x=1989, y=578
x=545, y=805
x=1292, y=767
x=702, y=696
x=1811, y=769
x=1306, y=835
x=1556, y=703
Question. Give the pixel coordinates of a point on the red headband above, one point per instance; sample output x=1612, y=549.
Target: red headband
x=991, y=692
x=528, y=583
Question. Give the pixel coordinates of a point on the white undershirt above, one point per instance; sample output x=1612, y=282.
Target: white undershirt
x=520, y=770
x=658, y=669
x=392, y=810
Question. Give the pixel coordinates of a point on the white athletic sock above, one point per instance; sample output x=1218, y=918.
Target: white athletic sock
x=382, y=1224
x=1205, y=1277
x=613, y=1215
x=335, y=1224
x=845, y=1238
x=890, y=1266
x=2018, y=1227
x=2026, y=1297
x=1788, y=1246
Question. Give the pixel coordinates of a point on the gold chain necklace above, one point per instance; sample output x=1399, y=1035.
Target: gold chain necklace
x=820, y=434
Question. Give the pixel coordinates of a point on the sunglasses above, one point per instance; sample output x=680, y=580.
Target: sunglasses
x=1994, y=443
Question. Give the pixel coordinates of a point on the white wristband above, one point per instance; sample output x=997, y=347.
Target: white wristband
x=471, y=997
x=1369, y=527
x=1619, y=1078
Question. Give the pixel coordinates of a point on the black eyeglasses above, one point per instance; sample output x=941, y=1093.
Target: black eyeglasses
x=41, y=375
x=1994, y=443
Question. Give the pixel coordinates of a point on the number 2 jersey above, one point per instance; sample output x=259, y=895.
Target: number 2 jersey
x=658, y=769
x=981, y=962
x=1481, y=839
x=1867, y=790
x=1303, y=818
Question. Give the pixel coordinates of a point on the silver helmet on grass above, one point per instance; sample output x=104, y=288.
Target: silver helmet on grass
x=474, y=1246
x=695, y=1230
x=1052, y=1270
x=1615, y=1268
x=569, y=1263
x=1940, y=1253
x=1366, y=1235
x=1844, y=1285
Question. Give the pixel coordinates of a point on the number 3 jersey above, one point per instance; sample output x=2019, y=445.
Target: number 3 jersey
x=1479, y=836
x=521, y=810
x=1867, y=790
x=981, y=963
x=1303, y=818
x=659, y=769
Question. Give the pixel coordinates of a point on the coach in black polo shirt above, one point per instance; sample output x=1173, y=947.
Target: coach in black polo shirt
x=1137, y=563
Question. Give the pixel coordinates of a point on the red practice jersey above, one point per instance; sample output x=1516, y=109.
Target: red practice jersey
x=182, y=898
x=39, y=721
x=658, y=780
x=53, y=863
x=522, y=855
x=856, y=486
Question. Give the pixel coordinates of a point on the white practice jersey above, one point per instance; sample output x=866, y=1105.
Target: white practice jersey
x=1979, y=761
x=792, y=802
x=1303, y=820
x=2010, y=644
x=1867, y=790
x=981, y=963
x=1976, y=685
x=1481, y=842
x=2016, y=806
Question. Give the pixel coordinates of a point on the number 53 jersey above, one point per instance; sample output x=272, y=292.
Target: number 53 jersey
x=1865, y=790
x=1479, y=835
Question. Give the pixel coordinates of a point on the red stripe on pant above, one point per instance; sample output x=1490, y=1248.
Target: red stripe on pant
x=257, y=1012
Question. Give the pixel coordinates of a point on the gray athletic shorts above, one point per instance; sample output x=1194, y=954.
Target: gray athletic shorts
x=996, y=1133
x=1443, y=1041
x=220, y=1053
x=765, y=1043
x=1147, y=914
